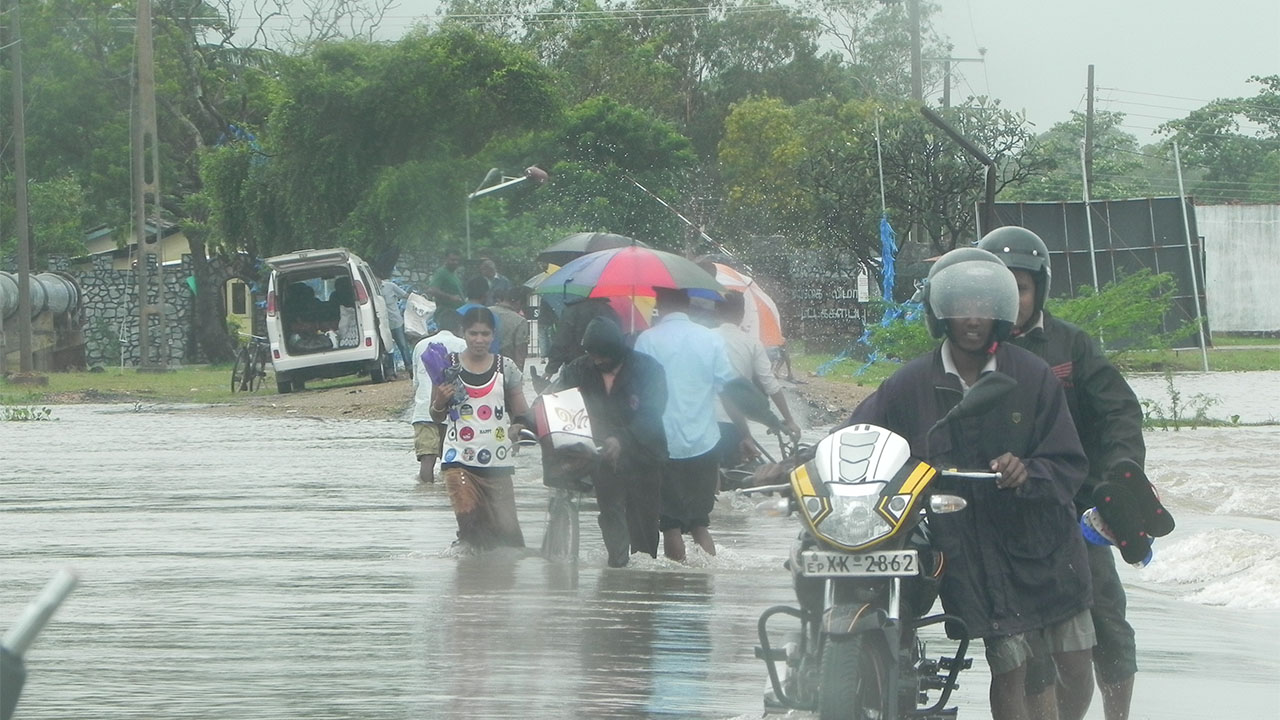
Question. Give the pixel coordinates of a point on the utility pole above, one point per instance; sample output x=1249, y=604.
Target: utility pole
x=146, y=200
x=22, y=229
x=1088, y=139
x=913, y=19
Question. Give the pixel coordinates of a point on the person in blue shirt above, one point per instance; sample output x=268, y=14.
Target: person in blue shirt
x=697, y=368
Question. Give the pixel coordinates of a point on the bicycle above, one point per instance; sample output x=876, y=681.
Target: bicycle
x=250, y=369
x=560, y=540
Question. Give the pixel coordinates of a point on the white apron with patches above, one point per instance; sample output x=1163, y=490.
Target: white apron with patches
x=478, y=437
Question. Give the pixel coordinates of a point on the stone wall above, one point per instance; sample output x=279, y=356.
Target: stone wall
x=111, y=314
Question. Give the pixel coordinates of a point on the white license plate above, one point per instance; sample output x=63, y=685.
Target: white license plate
x=890, y=563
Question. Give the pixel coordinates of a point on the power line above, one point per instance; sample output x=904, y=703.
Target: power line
x=1190, y=99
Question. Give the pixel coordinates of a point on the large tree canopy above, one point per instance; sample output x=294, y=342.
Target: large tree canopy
x=373, y=146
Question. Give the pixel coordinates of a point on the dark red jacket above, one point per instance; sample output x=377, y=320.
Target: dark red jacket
x=1015, y=558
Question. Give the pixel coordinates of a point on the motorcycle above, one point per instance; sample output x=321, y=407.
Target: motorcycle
x=865, y=577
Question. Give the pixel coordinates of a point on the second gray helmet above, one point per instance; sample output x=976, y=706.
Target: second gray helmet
x=1021, y=249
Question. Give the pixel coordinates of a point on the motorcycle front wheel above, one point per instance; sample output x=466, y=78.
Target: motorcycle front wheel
x=855, y=678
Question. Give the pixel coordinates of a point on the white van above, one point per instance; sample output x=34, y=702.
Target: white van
x=326, y=318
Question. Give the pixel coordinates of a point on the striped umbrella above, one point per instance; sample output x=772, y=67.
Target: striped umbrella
x=762, y=318
x=629, y=273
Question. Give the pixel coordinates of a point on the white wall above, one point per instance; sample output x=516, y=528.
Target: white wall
x=1242, y=266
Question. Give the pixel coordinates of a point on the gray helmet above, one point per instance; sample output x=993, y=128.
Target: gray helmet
x=970, y=282
x=1021, y=249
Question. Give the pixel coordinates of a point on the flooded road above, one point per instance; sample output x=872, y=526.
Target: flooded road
x=289, y=568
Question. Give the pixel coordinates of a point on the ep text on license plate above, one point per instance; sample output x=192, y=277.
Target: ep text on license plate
x=890, y=563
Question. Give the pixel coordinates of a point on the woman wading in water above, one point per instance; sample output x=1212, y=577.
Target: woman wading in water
x=483, y=409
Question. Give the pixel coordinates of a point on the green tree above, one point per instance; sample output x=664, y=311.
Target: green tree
x=875, y=43
x=56, y=208
x=1232, y=146
x=809, y=172
x=376, y=146
x=1117, y=163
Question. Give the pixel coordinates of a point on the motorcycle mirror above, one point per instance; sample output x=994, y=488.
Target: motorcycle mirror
x=944, y=503
x=981, y=397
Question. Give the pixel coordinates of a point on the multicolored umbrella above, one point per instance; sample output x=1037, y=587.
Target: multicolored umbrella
x=579, y=244
x=630, y=274
x=762, y=317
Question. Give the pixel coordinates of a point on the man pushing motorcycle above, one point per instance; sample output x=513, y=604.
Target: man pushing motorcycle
x=1017, y=573
x=1108, y=418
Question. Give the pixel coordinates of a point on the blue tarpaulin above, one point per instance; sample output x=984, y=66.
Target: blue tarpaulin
x=888, y=254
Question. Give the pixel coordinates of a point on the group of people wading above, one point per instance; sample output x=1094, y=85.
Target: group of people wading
x=1049, y=607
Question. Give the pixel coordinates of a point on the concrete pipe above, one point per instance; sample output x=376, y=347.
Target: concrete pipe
x=8, y=295
x=48, y=291
x=62, y=295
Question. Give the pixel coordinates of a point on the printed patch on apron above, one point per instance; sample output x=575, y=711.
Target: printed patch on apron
x=502, y=453
x=451, y=455
x=497, y=413
x=484, y=412
x=468, y=455
x=467, y=434
x=484, y=457
x=499, y=434
x=466, y=410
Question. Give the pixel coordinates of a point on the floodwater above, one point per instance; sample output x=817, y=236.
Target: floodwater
x=290, y=568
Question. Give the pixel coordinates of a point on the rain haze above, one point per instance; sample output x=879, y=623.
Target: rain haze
x=1153, y=61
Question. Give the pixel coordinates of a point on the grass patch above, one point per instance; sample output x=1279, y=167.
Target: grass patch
x=849, y=371
x=1244, y=341
x=1243, y=359
x=202, y=384
x=195, y=383
x=1239, y=358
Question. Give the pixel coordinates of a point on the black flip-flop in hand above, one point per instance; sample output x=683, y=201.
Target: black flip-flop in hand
x=1119, y=510
x=1156, y=520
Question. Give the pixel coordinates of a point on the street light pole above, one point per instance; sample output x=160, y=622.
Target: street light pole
x=533, y=172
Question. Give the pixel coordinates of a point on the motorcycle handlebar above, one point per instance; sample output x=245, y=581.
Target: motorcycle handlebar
x=970, y=475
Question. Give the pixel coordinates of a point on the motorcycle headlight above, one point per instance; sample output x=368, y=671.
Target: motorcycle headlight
x=847, y=518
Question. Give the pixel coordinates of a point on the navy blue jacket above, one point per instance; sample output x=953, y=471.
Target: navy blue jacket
x=1015, y=559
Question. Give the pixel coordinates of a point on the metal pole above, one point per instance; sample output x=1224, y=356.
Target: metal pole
x=467, y=212
x=913, y=19
x=1088, y=138
x=1191, y=256
x=880, y=166
x=1088, y=220
x=946, y=84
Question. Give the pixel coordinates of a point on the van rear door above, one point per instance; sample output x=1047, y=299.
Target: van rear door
x=307, y=258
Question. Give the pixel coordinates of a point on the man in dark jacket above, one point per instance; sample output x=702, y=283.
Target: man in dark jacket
x=566, y=344
x=1108, y=418
x=625, y=393
x=1017, y=573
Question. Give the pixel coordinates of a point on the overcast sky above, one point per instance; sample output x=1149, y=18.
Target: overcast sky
x=1154, y=60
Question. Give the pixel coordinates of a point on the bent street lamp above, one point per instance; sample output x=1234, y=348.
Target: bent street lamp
x=533, y=172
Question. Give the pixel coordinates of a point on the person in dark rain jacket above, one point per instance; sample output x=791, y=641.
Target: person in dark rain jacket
x=625, y=393
x=1017, y=572
x=1108, y=418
